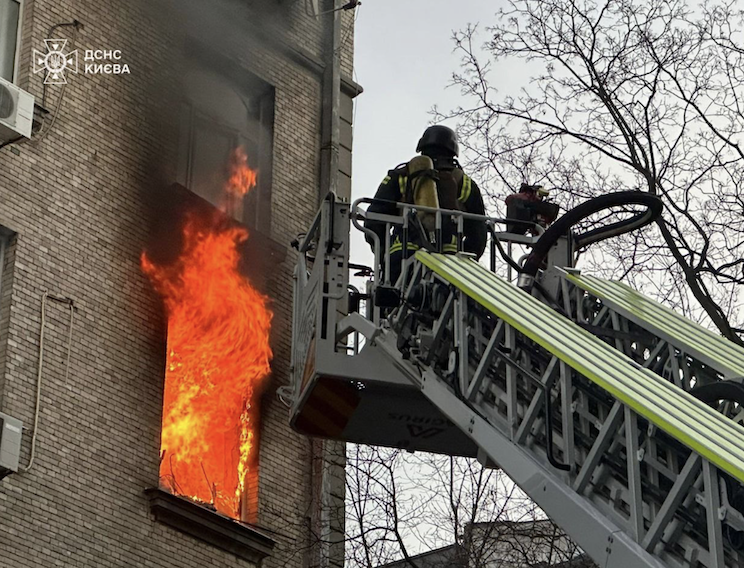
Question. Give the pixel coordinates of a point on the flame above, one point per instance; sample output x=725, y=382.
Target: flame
x=242, y=178
x=218, y=352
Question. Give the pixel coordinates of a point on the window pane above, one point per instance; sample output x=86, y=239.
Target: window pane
x=210, y=160
x=9, y=12
x=218, y=115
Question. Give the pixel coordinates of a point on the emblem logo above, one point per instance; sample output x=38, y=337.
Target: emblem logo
x=55, y=62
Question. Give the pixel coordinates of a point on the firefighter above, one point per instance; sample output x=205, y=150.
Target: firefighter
x=530, y=204
x=434, y=179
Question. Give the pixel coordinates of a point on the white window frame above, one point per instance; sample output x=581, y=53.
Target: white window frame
x=255, y=210
x=19, y=34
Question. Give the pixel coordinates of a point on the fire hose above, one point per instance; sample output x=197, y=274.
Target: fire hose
x=563, y=226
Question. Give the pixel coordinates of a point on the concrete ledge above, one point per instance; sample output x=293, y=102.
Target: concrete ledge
x=209, y=526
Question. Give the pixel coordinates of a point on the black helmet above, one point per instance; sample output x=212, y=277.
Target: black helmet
x=439, y=140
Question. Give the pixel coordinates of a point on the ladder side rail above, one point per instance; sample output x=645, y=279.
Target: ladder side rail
x=680, y=360
x=610, y=369
x=530, y=414
x=723, y=357
x=595, y=533
x=632, y=495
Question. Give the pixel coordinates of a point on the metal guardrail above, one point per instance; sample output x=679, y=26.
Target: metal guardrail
x=407, y=211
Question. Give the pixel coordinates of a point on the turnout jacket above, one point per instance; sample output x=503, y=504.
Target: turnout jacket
x=393, y=190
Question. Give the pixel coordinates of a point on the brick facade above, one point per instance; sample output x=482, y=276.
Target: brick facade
x=79, y=204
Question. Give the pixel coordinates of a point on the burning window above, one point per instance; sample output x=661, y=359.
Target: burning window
x=219, y=113
x=218, y=353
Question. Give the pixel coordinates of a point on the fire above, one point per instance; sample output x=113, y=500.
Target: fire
x=242, y=178
x=218, y=352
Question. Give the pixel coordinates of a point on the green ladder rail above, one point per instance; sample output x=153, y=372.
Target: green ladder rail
x=649, y=466
x=629, y=310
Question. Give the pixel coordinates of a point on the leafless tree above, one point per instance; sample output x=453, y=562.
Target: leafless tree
x=589, y=97
x=399, y=505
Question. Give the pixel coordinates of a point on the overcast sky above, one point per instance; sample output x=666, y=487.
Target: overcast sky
x=404, y=61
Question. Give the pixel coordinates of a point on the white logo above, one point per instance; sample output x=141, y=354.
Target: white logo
x=55, y=62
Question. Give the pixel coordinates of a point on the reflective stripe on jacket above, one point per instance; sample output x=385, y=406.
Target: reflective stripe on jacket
x=465, y=188
x=397, y=246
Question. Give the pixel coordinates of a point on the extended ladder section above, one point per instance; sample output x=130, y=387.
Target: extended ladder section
x=623, y=444
x=684, y=352
x=588, y=419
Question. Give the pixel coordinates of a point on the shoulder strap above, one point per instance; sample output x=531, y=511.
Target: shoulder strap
x=466, y=188
x=400, y=172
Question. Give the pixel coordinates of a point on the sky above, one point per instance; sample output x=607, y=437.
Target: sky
x=404, y=60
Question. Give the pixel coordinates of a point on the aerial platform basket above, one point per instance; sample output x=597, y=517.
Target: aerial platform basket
x=344, y=390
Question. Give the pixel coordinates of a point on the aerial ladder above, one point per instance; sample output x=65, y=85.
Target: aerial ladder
x=619, y=417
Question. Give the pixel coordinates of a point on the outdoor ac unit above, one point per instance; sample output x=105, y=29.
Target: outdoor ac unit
x=16, y=112
x=11, y=430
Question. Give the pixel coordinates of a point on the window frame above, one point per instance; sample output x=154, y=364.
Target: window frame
x=198, y=120
x=19, y=36
x=257, y=207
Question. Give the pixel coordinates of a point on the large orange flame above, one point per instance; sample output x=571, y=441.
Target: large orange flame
x=218, y=351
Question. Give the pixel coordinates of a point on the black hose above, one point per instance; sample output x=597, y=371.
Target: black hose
x=731, y=390
x=563, y=225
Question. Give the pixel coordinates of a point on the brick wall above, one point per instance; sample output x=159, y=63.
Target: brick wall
x=78, y=202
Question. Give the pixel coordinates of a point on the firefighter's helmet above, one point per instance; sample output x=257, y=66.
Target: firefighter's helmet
x=438, y=140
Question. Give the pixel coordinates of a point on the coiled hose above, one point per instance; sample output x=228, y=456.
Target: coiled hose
x=563, y=225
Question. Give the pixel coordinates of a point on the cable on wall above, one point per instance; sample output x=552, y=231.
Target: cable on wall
x=45, y=130
x=70, y=302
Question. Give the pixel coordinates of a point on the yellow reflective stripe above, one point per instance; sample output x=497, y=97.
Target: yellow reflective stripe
x=398, y=246
x=451, y=246
x=402, y=182
x=467, y=186
x=385, y=180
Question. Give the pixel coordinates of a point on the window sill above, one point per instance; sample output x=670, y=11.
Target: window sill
x=214, y=528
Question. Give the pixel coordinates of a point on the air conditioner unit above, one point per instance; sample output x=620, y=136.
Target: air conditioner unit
x=11, y=430
x=16, y=112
